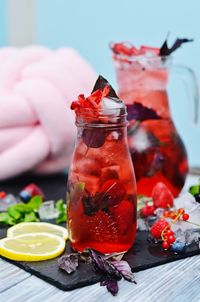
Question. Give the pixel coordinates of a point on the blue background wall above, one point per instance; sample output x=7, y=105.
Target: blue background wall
x=2, y=22
x=90, y=25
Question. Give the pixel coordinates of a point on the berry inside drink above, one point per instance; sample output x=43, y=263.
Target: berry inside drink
x=101, y=205
x=157, y=151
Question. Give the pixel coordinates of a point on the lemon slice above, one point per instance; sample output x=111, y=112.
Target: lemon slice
x=37, y=227
x=32, y=247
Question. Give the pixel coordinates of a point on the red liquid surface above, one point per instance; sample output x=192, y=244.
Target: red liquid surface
x=103, y=215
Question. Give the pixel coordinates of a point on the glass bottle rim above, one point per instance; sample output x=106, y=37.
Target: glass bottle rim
x=98, y=118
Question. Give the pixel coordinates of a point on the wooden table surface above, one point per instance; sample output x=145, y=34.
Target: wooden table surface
x=178, y=281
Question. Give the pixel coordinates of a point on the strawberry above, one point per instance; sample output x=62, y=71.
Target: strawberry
x=101, y=227
x=158, y=227
x=123, y=215
x=145, y=49
x=113, y=192
x=162, y=196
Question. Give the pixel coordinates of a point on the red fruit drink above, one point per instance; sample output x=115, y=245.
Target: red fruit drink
x=101, y=203
x=157, y=151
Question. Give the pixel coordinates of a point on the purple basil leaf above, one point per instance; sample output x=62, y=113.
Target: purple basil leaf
x=139, y=112
x=92, y=204
x=94, y=138
x=111, y=285
x=156, y=164
x=124, y=269
x=101, y=82
x=166, y=51
x=104, y=265
x=68, y=263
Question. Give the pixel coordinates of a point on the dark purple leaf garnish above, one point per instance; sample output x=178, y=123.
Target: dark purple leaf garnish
x=157, y=164
x=124, y=269
x=101, y=83
x=111, y=285
x=139, y=112
x=91, y=204
x=166, y=51
x=94, y=138
x=111, y=269
x=68, y=263
x=104, y=265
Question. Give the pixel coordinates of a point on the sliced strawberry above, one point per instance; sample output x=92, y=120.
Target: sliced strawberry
x=162, y=196
x=123, y=215
x=113, y=192
x=145, y=49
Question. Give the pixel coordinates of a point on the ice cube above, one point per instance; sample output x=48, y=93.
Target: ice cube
x=9, y=200
x=112, y=106
x=192, y=235
x=186, y=201
x=48, y=211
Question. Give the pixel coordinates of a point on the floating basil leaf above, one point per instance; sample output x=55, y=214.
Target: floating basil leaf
x=139, y=112
x=94, y=138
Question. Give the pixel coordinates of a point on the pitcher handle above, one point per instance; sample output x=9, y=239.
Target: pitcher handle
x=191, y=82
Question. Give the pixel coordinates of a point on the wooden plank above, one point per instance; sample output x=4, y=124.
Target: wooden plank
x=176, y=281
x=10, y=275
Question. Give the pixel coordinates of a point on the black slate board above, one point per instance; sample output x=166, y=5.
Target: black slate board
x=141, y=256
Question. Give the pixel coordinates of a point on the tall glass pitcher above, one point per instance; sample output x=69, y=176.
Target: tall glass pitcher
x=156, y=148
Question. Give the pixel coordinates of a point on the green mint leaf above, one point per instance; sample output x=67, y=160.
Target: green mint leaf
x=5, y=218
x=22, y=208
x=35, y=202
x=30, y=217
x=61, y=207
x=13, y=212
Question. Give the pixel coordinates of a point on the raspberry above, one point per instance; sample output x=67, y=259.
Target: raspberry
x=147, y=211
x=123, y=215
x=114, y=192
x=158, y=227
x=162, y=196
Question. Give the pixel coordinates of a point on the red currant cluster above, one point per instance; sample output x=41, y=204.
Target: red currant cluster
x=161, y=229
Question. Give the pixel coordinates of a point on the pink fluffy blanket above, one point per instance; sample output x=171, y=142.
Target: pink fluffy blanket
x=37, y=128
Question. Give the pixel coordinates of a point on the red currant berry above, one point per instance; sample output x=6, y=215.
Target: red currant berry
x=171, y=239
x=181, y=211
x=185, y=217
x=169, y=233
x=173, y=215
x=165, y=245
x=167, y=213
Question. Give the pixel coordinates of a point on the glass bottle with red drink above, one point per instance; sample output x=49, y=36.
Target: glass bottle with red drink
x=101, y=198
x=157, y=151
